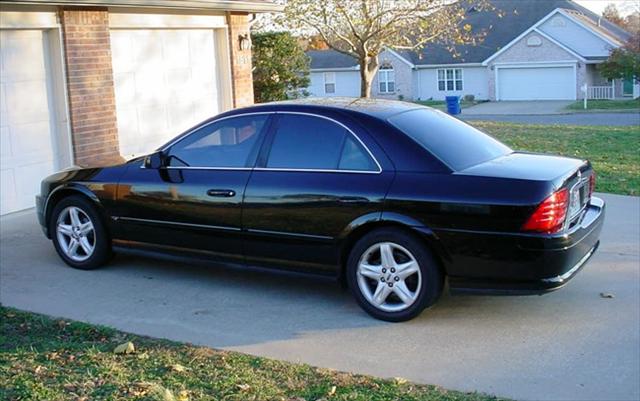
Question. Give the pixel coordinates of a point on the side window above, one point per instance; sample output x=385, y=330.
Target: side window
x=314, y=143
x=228, y=143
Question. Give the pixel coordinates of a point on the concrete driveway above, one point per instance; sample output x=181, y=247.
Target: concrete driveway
x=519, y=108
x=570, y=344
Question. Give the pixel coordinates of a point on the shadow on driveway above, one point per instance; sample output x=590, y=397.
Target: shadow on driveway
x=570, y=344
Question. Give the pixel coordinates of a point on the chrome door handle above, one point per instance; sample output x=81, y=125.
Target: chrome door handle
x=224, y=193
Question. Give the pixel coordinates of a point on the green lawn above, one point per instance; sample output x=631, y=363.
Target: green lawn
x=613, y=151
x=629, y=104
x=53, y=359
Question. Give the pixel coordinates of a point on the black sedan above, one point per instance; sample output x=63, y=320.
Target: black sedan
x=390, y=197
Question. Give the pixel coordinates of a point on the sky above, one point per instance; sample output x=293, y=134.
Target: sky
x=625, y=6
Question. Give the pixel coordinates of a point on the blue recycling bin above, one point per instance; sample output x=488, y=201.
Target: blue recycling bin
x=453, y=105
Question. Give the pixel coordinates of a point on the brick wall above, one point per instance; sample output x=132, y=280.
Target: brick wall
x=242, y=78
x=90, y=87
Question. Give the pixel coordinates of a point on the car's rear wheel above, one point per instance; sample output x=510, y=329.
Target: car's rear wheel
x=393, y=275
x=78, y=234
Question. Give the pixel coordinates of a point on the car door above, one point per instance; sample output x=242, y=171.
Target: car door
x=194, y=202
x=313, y=179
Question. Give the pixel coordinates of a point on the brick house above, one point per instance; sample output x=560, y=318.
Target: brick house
x=93, y=82
x=534, y=50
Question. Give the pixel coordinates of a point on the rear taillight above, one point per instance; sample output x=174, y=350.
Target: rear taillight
x=550, y=214
x=592, y=183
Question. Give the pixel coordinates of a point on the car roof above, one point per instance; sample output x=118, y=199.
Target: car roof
x=379, y=108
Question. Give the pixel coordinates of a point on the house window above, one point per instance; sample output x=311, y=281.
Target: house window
x=329, y=82
x=387, y=79
x=450, y=79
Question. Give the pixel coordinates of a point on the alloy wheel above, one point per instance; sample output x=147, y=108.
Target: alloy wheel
x=389, y=277
x=76, y=234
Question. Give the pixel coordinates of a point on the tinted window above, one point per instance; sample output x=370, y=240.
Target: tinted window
x=228, y=143
x=452, y=141
x=307, y=142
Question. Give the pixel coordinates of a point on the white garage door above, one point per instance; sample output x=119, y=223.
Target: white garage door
x=543, y=83
x=165, y=82
x=26, y=118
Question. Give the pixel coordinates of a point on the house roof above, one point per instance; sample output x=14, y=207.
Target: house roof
x=517, y=17
x=218, y=5
x=330, y=59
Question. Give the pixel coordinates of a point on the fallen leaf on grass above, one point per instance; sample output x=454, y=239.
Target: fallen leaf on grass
x=183, y=396
x=125, y=348
x=160, y=393
x=332, y=391
x=400, y=380
x=178, y=368
x=243, y=387
x=606, y=295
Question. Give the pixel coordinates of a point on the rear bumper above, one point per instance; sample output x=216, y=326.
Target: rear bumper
x=521, y=264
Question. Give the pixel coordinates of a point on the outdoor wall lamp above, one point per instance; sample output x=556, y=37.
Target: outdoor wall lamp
x=244, y=42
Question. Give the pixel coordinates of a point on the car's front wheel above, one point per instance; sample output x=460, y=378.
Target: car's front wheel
x=393, y=275
x=78, y=234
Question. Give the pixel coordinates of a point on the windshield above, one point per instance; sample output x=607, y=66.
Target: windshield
x=455, y=143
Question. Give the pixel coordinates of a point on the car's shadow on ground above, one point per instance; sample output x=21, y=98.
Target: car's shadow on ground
x=227, y=307
x=239, y=306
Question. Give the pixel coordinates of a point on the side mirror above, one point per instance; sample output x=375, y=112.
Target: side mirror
x=155, y=160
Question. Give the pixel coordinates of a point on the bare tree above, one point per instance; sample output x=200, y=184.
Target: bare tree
x=612, y=14
x=362, y=29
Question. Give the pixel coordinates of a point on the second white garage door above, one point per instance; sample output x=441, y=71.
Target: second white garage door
x=541, y=83
x=27, y=118
x=165, y=82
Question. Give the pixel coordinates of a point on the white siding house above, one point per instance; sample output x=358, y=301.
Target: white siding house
x=334, y=83
x=537, y=51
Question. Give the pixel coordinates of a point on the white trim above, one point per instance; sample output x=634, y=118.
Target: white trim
x=404, y=60
x=386, y=81
x=454, y=79
x=595, y=32
x=533, y=64
x=224, y=74
x=505, y=66
x=221, y=5
x=563, y=47
x=459, y=65
x=28, y=18
x=142, y=19
x=326, y=82
x=59, y=76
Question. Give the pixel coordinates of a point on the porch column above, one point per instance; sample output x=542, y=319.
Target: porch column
x=92, y=107
x=240, y=43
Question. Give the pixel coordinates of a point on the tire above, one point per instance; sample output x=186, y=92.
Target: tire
x=407, y=282
x=92, y=243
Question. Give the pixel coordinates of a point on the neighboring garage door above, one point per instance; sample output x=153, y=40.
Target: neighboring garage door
x=165, y=82
x=543, y=83
x=26, y=117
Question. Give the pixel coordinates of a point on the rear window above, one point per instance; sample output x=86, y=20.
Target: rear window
x=457, y=144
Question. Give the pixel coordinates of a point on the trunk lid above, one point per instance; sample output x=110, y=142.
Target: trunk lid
x=529, y=166
x=557, y=171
